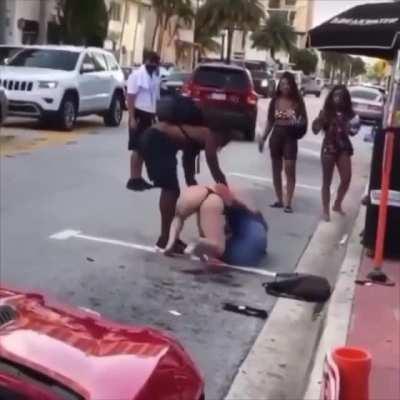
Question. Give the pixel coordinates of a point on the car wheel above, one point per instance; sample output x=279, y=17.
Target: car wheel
x=67, y=114
x=113, y=116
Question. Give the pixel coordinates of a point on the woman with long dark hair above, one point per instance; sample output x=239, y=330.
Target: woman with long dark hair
x=286, y=114
x=338, y=121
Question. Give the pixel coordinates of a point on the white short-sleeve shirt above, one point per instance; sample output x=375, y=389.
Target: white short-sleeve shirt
x=146, y=88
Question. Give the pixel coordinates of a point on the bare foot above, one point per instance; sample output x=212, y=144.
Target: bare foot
x=338, y=208
x=326, y=217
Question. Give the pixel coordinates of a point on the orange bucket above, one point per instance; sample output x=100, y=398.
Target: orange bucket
x=354, y=366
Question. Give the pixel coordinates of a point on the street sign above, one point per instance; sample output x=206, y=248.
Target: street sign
x=331, y=379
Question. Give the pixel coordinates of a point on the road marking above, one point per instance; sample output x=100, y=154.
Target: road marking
x=269, y=180
x=74, y=234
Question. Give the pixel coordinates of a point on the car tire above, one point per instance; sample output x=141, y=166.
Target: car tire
x=67, y=113
x=114, y=114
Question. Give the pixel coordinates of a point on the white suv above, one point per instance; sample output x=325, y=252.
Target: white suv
x=58, y=83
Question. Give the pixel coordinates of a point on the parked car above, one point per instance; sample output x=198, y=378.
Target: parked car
x=3, y=105
x=264, y=83
x=59, y=83
x=7, y=52
x=51, y=351
x=311, y=85
x=173, y=83
x=368, y=103
x=229, y=89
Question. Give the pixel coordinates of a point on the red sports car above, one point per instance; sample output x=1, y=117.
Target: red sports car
x=49, y=351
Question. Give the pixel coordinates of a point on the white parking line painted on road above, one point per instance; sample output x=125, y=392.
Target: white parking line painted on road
x=69, y=234
x=74, y=234
x=269, y=180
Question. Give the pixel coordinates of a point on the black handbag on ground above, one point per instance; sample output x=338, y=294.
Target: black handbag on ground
x=303, y=287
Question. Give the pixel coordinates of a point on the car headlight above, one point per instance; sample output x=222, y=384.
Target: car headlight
x=264, y=83
x=48, y=84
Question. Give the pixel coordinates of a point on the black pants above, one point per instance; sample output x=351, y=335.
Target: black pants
x=144, y=120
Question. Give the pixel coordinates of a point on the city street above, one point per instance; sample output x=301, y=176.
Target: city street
x=70, y=228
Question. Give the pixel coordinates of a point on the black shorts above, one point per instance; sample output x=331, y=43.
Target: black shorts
x=282, y=145
x=159, y=155
x=144, y=120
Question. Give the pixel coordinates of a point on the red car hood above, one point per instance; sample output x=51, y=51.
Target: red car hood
x=93, y=357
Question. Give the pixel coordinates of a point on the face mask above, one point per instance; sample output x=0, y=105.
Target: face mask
x=151, y=68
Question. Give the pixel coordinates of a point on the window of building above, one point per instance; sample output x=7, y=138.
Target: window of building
x=282, y=13
x=290, y=3
x=292, y=17
x=115, y=11
x=274, y=3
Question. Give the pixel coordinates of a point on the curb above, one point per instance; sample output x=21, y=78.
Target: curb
x=339, y=311
x=279, y=363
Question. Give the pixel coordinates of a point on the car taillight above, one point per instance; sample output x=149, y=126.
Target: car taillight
x=252, y=99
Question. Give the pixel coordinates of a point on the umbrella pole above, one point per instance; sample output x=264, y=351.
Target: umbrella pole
x=377, y=274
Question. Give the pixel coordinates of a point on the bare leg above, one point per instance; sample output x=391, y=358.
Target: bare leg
x=277, y=178
x=290, y=171
x=136, y=165
x=344, y=167
x=328, y=165
x=168, y=199
x=174, y=233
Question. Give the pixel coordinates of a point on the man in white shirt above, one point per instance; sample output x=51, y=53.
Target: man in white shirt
x=143, y=93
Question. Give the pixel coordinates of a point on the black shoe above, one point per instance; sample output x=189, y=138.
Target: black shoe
x=179, y=246
x=138, y=185
x=288, y=210
x=277, y=204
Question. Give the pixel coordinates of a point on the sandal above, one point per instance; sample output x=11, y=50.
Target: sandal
x=288, y=210
x=277, y=204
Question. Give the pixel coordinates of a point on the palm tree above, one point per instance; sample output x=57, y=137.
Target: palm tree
x=231, y=15
x=276, y=35
x=204, y=37
x=165, y=11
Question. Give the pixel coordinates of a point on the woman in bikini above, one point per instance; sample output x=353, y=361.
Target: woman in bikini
x=286, y=111
x=338, y=121
x=229, y=230
x=159, y=147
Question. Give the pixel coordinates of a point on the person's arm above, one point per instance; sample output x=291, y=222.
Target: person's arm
x=319, y=123
x=269, y=127
x=132, y=89
x=211, y=149
x=189, y=166
x=174, y=233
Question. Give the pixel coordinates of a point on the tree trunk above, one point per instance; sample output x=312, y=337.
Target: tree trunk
x=153, y=40
x=230, y=45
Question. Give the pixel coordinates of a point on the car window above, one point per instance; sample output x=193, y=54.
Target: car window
x=112, y=63
x=7, y=52
x=221, y=78
x=365, y=95
x=99, y=62
x=45, y=58
x=88, y=60
x=178, y=77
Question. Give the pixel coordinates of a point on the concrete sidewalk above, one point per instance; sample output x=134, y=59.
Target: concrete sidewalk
x=375, y=326
x=366, y=316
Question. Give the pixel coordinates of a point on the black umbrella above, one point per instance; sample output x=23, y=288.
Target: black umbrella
x=370, y=30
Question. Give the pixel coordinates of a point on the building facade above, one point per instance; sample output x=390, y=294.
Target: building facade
x=30, y=22
x=127, y=28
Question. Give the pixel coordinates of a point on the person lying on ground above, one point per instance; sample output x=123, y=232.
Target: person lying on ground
x=159, y=146
x=229, y=230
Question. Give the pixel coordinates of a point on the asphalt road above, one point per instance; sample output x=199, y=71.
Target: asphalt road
x=80, y=185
